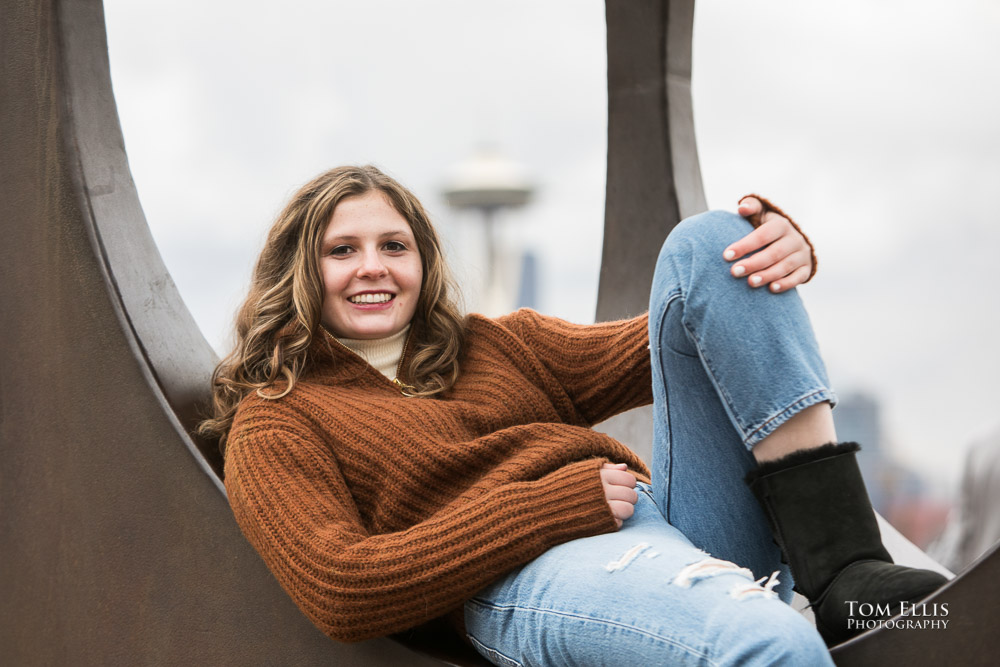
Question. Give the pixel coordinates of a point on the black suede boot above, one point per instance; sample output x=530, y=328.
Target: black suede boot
x=822, y=520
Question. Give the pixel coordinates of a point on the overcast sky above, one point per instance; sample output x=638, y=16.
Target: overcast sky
x=872, y=122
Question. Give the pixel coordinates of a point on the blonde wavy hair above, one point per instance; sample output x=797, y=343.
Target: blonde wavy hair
x=281, y=315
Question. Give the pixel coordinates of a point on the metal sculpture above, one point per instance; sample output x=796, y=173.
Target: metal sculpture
x=654, y=180
x=117, y=543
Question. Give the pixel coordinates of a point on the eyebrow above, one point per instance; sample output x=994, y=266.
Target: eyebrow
x=353, y=237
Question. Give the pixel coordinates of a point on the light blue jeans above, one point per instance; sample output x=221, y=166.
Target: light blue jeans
x=674, y=585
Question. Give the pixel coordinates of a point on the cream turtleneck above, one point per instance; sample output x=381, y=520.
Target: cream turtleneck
x=382, y=353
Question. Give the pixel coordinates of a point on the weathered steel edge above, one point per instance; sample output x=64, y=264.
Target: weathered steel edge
x=176, y=359
x=653, y=176
x=116, y=548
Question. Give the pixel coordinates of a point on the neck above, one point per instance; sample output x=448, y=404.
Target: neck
x=381, y=353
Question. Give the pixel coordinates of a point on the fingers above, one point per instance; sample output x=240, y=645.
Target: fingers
x=749, y=206
x=618, y=477
x=781, y=272
x=780, y=257
x=777, y=268
x=792, y=280
x=785, y=248
x=753, y=209
x=773, y=228
x=777, y=253
x=619, y=491
x=785, y=273
x=621, y=511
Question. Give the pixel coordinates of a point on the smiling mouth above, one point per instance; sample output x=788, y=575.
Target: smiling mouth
x=378, y=297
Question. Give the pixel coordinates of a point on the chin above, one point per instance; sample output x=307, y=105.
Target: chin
x=363, y=333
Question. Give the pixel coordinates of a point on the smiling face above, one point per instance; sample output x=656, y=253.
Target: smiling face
x=371, y=269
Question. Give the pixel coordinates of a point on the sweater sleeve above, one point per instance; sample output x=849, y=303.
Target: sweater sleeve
x=603, y=367
x=292, y=503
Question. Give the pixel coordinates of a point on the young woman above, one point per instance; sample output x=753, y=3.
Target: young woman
x=394, y=462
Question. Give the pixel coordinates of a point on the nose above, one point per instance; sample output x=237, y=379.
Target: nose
x=371, y=265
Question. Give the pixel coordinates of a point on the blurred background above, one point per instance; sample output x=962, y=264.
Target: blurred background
x=873, y=123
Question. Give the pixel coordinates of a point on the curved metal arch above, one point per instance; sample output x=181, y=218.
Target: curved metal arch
x=117, y=542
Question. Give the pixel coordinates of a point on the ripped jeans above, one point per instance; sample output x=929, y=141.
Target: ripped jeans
x=688, y=578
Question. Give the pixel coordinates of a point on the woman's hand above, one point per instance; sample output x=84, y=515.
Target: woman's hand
x=785, y=257
x=619, y=490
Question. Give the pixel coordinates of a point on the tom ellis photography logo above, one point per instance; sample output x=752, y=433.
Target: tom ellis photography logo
x=865, y=616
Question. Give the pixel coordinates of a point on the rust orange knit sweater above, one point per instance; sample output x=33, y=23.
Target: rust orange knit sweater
x=377, y=512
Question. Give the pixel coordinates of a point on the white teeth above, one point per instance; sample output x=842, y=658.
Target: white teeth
x=371, y=298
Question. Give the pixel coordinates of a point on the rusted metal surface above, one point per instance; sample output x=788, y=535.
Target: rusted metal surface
x=117, y=546
x=654, y=180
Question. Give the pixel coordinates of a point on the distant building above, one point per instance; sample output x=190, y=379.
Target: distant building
x=897, y=493
x=527, y=291
x=858, y=418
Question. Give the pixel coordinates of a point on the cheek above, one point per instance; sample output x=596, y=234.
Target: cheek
x=414, y=276
x=334, y=282
x=332, y=275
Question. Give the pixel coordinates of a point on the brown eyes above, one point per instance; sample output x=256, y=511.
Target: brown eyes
x=388, y=246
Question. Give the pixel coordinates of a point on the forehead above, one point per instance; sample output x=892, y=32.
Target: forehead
x=370, y=213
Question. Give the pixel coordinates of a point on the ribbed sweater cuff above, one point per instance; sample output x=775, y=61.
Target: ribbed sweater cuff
x=575, y=505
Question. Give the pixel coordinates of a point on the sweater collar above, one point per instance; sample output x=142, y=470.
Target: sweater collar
x=334, y=362
x=384, y=354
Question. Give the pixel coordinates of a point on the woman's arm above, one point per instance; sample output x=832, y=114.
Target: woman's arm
x=604, y=368
x=294, y=506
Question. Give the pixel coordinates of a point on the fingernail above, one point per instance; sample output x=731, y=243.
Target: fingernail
x=729, y=254
x=739, y=270
x=756, y=280
x=776, y=287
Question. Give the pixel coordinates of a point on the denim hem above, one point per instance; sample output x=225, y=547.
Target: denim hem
x=772, y=423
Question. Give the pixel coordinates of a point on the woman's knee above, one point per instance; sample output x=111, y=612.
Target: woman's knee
x=711, y=231
x=692, y=255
